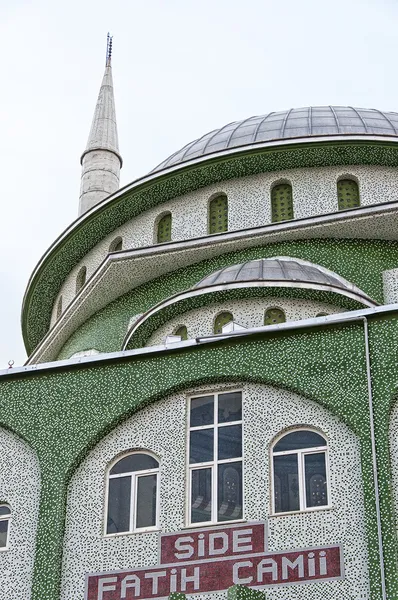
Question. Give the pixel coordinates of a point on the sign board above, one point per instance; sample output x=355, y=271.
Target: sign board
x=201, y=561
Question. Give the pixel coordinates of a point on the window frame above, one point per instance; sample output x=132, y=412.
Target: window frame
x=7, y=518
x=301, y=454
x=213, y=465
x=135, y=475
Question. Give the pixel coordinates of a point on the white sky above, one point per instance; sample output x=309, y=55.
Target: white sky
x=180, y=68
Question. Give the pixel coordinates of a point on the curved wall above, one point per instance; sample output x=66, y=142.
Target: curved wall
x=249, y=205
x=161, y=428
x=248, y=313
x=394, y=460
x=20, y=488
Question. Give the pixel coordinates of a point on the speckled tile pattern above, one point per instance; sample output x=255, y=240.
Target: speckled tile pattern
x=248, y=313
x=20, y=489
x=249, y=205
x=161, y=429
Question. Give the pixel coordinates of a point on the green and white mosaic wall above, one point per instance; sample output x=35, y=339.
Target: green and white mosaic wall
x=394, y=459
x=161, y=429
x=249, y=205
x=20, y=489
x=63, y=414
x=248, y=313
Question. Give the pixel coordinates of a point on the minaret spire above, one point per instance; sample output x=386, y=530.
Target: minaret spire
x=101, y=160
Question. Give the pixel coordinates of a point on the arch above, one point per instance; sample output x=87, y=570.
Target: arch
x=273, y=316
x=347, y=193
x=218, y=214
x=5, y=519
x=132, y=493
x=182, y=331
x=163, y=228
x=281, y=202
x=59, y=307
x=223, y=318
x=81, y=278
x=300, y=471
x=116, y=245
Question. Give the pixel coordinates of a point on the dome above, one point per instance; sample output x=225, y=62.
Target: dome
x=281, y=270
x=312, y=121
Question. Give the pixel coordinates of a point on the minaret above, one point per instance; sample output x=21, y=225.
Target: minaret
x=101, y=161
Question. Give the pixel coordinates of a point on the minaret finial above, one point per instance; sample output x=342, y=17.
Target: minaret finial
x=109, y=39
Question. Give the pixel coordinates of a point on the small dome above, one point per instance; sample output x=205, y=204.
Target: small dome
x=281, y=270
x=311, y=121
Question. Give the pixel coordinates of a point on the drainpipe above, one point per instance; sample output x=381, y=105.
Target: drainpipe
x=374, y=458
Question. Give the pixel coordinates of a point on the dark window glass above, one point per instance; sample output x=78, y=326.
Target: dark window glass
x=221, y=320
x=4, y=510
x=3, y=533
x=182, y=332
x=315, y=479
x=119, y=497
x=286, y=483
x=298, y=440
x=282, y=203
x=218, y=214
x=201, y=496
x=202, y=411
x=146, y=501
x=229, y=442
x=201, y=446
x=229, y=505
x=230, y=407
x=164, y=229
x=134, y=462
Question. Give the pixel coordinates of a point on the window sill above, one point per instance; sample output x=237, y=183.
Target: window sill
x=108, y=536
x=307, y=511
x=215, y=524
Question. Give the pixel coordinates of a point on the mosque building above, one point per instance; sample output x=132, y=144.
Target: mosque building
x=210, y=398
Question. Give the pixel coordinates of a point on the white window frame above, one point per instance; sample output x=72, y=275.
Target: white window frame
x=301, y=454
x=7, y=518
x=214, y=463
x=135, y=475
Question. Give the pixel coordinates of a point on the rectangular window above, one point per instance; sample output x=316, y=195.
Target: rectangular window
x=215, y=458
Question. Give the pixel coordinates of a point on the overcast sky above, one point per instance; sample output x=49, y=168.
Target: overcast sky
x=180, y=68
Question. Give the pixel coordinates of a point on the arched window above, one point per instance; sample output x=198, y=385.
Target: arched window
x=300, y=472
x=132, y=497
x=273, y=316
x=218, y=214
x=116, y=245
x=5, y=518
x=81, y=279
x=347, y=194
x=182, y=332
x=59, y=307
x=281, y=202
x=164, y=229
x=322, y=314
x=221, y=320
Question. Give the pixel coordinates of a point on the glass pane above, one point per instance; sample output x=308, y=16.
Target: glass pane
x=134, y=462
x=201, y=446
x=164, y=229
x=282, y=203
x=348, y=194
x=146, y=501
x=230, y=491
x=286, y=486
x=273, y=316
x=229, y=442
x=4, y=510
x=3, y=533
x=315, y=480
x=202, y=411
x=218, y=214
x=201, y=496
x=297, y=440
x=230, y=407
x=119, y=505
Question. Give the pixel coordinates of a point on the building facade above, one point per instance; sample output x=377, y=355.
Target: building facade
x=210, y=393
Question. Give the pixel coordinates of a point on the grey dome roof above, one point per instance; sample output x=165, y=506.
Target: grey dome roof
x=281, y=270
x=288, y=124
